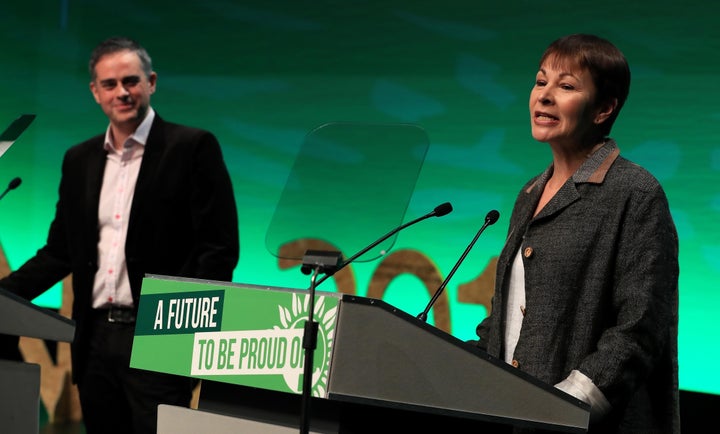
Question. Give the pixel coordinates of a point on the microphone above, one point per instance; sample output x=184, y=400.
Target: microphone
x=490, y=219
x=439, y=211
x=11, y=186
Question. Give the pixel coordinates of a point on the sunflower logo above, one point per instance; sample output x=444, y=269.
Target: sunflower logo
x=295, y=318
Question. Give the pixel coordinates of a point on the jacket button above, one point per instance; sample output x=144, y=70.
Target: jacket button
x=515, y=363
x=528, y=252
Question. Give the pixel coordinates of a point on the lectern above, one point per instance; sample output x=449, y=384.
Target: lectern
x=373, y=361
x=19, y=381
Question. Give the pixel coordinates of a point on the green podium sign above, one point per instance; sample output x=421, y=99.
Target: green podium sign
x=234, y=333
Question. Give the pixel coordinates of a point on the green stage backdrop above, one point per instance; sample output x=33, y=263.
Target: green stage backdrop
x=262, y=74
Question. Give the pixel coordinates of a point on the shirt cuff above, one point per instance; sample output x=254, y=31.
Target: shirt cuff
x=581, y=387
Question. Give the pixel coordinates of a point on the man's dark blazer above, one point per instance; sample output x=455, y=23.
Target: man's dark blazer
x=183, y=221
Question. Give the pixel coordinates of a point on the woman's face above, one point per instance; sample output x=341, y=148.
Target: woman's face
x=562, y=105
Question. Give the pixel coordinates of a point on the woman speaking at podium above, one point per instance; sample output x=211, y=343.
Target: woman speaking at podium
x=586, y=294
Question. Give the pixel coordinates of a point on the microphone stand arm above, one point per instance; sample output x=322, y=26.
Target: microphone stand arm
x=424, y=314
x=378, y=241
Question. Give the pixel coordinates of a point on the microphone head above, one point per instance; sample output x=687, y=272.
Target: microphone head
x=492, y=217
x=15, y=183
x=443, y=209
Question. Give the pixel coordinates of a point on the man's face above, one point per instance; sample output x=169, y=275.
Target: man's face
x=122, y=89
